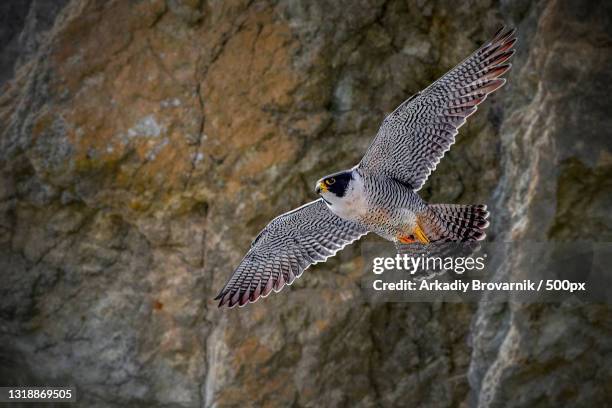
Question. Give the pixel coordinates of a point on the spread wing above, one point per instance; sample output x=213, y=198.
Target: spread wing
x=413, y=138
x=288, y=245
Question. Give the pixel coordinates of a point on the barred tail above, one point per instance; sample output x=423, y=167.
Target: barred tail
x=454, y=222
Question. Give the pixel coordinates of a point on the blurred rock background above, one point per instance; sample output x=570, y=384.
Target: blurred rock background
x=143, y=144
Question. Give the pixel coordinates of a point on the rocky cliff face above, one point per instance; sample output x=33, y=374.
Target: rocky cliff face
x=143, y=145
x=555, y=186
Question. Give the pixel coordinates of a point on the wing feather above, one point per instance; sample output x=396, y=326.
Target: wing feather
x=285, y=248
x=416, y=135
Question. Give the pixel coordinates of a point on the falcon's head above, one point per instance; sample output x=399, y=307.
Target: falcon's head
x=335, y=187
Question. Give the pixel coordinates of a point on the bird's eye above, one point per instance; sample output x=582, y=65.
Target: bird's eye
x=330, y=181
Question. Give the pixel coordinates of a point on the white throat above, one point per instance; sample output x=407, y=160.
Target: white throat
x=352, y=205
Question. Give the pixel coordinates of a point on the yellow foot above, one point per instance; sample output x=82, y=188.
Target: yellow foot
x=420, y=235
x=417, y=235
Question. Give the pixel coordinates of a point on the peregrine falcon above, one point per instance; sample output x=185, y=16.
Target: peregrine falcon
x=380, y=193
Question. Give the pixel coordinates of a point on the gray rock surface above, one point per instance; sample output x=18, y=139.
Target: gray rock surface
x=555, y=186
x=144, y=144
x=23, y=26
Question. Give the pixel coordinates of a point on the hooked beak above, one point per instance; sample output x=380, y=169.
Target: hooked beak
x=320, y=188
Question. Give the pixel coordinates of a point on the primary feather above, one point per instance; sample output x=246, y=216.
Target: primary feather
x=414, y=137
x=285, y=248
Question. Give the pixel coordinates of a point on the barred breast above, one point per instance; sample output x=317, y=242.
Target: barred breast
x=391, y=207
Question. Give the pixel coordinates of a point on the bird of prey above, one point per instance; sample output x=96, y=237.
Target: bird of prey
x=380, y=193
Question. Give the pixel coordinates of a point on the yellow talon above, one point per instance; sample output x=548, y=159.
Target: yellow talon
x=420, y=235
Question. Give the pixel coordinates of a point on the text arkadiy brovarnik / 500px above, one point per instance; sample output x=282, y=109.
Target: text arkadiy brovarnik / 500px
x=525, y=285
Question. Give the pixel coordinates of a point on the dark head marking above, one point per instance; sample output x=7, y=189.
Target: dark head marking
x=338, y=183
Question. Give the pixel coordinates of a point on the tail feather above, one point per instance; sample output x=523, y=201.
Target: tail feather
x=454, y=222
